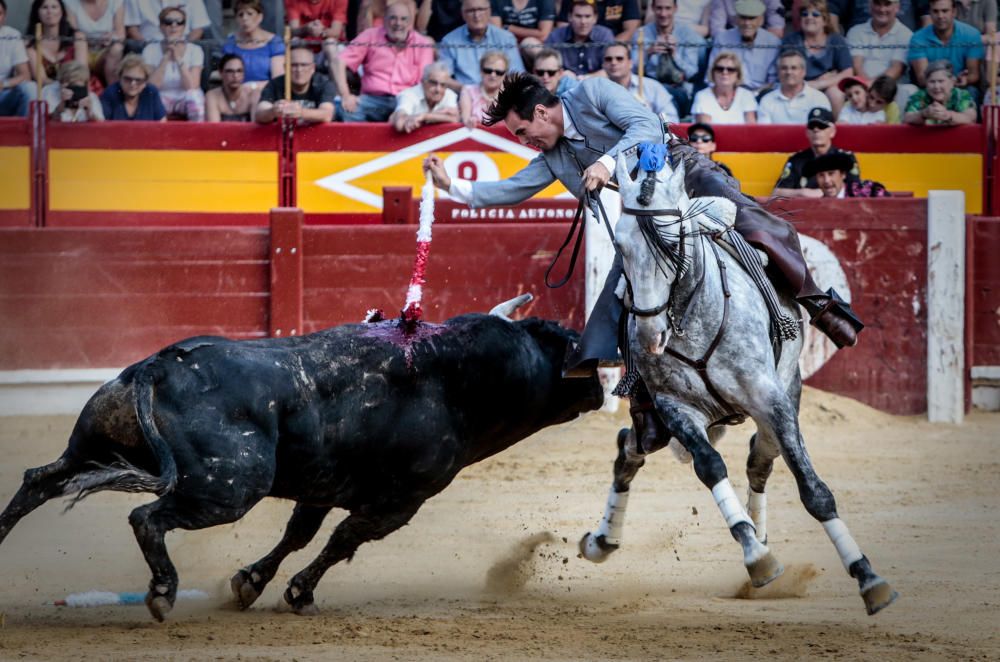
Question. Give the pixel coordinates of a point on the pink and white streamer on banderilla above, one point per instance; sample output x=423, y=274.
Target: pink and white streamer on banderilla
x=412, y=312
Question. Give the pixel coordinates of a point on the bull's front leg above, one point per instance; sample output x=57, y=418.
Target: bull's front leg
x=356, y=529
x=248, y=583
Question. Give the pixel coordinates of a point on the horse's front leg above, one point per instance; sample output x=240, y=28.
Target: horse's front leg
x=710, y=468
x=597, y=546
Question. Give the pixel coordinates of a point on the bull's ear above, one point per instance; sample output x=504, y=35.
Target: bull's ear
x=625, y=183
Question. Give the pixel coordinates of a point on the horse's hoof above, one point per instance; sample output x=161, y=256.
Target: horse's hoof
x=765, y=570
x=301, y=602
x=595, y=548
x=307, y=610
x=159, y=606
x=878, y=597
x=243, y=589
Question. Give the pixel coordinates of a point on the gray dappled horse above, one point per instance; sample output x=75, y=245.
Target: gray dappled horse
x=686, y=291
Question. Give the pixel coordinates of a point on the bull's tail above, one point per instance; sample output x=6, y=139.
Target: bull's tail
x=144, y=384
x=122, y=475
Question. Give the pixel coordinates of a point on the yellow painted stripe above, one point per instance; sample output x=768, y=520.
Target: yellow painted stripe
x=162, y=180
x=918, y=173
x=312, y=166
x=15, y=178
x=758, y=171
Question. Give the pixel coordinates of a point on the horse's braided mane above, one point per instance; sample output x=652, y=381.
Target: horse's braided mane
x=646, y=189
x=666, y=251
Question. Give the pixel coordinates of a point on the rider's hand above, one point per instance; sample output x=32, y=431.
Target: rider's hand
x=435, y=166
x=595, y=176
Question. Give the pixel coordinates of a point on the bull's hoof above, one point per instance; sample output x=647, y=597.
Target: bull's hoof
x=595, y=548
x=301, y=602
x=158, y=606
x=244, y=589
x=878, y=597
x=765, y=570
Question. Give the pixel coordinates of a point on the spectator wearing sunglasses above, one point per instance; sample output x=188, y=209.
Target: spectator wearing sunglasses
x=133, y=97
x=462, y=48
x=723, y=15
x=792, y=101
x=430, y=102
x=549, y=69
x=582, y=41
x=702, y=138
x=756, y=48
x=794, y=181
x=726, y=101
x=232, y=101
x=618, y=68
x=475, y=99
x=827, y=55
x=142, y=18
x=176, y=68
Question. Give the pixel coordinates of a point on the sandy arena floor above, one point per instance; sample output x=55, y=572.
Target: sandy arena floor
x=462, y=582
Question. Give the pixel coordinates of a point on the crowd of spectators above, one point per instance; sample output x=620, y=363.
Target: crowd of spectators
x=414, y=62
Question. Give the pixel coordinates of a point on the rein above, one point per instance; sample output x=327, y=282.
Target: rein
x=577, y=228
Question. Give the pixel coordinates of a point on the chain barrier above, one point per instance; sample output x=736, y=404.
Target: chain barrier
x=298, y=41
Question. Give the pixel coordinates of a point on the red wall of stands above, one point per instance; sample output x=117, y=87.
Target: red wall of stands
x=77, y=297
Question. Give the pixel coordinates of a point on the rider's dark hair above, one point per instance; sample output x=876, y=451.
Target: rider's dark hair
x=521, y=92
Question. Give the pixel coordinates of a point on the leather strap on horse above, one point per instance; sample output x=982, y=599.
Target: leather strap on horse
x=787, y=327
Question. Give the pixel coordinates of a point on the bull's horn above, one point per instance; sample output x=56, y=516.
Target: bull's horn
x=507, y=308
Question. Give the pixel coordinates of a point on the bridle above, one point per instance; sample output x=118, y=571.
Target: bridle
x=677, y=327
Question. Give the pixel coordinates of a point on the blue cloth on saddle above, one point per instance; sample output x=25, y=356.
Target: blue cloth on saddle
x=652, y=156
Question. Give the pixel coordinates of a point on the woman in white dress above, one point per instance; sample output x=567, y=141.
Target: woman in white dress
x=725, y=102
x=103, y=23
x=177, y=67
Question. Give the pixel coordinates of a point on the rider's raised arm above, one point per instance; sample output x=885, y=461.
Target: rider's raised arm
x=623, y=110
x=522, y=185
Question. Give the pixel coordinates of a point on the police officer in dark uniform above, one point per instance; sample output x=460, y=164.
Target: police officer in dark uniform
x=794, y=182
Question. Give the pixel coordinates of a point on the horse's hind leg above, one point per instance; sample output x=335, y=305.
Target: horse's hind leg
x=598, y=546
x=40, y=484
x=249, y=582
x=819, y=502
x=710, y=468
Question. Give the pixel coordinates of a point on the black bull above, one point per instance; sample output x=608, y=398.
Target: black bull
x=359, y=417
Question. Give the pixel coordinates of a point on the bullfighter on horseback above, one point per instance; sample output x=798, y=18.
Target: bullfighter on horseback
x=580, y=134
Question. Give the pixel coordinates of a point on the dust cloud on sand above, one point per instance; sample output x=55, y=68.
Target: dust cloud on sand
x=511, y=573
x=920, y=499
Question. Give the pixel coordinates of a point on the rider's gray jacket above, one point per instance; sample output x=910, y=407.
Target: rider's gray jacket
x=608, y=120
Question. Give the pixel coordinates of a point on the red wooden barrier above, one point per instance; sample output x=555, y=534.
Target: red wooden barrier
x=286, y=272
x=984, y=295
x=882, y=247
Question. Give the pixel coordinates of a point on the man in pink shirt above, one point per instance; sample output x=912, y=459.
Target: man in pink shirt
x=394, y=57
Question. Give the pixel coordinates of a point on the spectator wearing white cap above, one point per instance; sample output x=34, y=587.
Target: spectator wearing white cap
x=756, y=48
x=723, y=15
x=792, y=101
